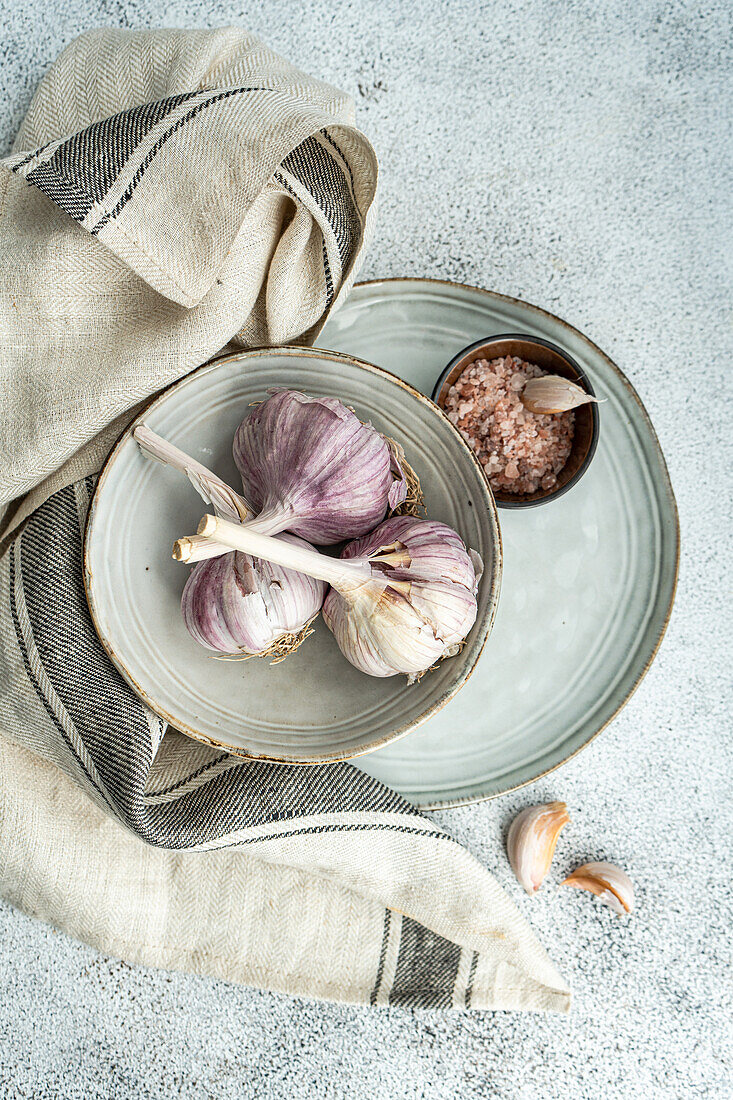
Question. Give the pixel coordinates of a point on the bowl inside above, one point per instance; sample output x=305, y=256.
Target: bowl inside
x=554, y=360
x=314, y=706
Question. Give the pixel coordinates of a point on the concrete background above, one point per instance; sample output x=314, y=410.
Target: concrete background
x=576, y=155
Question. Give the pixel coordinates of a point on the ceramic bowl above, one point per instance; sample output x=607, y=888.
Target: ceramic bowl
x=314, y=706
x=555, y=361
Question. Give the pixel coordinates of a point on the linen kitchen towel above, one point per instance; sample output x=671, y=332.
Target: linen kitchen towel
x=230, y=198
x=187, y=188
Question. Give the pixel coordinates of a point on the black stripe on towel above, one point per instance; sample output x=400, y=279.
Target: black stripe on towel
x=427, y=968
x=113, y=723
x=315, y=169
x=83, y=168
x=46, y=703
x=382, y=957
x=471, y=976
x=154, y=149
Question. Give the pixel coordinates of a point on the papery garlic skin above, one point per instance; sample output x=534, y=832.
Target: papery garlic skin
x=312, y=466
x=225, y=500
x=236, y=604
x=430, y=550
x=531, y=842
x=391, y=608
x=608, y=882
x=551, y=393
x=380, y=633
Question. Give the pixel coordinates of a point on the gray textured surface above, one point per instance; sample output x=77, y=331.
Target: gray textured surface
x=574, y=157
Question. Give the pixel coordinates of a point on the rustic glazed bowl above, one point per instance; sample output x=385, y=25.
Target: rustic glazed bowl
x=555, y=361
x=314, y=706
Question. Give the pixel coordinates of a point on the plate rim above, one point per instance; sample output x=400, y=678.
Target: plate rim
x=295, y=352
x=469, y=800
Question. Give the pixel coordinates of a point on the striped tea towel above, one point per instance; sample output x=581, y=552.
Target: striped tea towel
x=188, y=188
x=143, y=255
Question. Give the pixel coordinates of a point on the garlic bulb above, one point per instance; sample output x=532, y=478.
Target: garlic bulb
x=235, y=604
x=608, y=882
x=401, y=599
x=551, y=393
x=310, y=466
x=531, y=841
x=421, y=603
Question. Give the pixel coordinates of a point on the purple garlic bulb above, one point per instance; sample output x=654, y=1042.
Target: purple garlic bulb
x=310, y=466
x=238, y=605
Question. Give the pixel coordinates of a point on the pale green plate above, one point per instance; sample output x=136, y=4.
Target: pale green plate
x=589, y=579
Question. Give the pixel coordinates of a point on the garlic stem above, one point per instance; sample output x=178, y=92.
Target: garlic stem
x=334, y=571
x=213, y=490
x=196, y=548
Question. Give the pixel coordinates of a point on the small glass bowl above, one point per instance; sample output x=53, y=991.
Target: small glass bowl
x=553, y=360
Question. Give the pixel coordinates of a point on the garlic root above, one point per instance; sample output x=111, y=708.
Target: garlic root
x=414, y=501
x=278, y=650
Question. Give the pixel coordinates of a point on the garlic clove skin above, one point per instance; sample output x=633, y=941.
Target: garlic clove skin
x=531, y=842
x=236, y=604
x=608, y=882
x=311, y=461
x=379, y=632
x=430, y=551
x=552, y=393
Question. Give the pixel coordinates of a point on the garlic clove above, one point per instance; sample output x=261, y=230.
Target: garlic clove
x=531, y=842
x=608, y=882
x=553, y=394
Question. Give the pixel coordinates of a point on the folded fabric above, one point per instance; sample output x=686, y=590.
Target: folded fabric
x=188, y=188
x=122, y=832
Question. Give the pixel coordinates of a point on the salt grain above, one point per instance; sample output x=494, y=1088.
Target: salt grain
x=520, y=451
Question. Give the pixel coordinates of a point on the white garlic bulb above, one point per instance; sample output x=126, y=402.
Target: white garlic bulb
x=419, y=606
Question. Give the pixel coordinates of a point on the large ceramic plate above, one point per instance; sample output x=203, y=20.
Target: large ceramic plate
x=314, y=706
x=588, y=580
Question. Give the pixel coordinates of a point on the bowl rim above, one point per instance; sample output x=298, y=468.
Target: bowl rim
x=583, y=380
x=291, y=351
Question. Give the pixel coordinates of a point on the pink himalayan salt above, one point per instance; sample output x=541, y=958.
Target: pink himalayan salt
x=520, y=451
